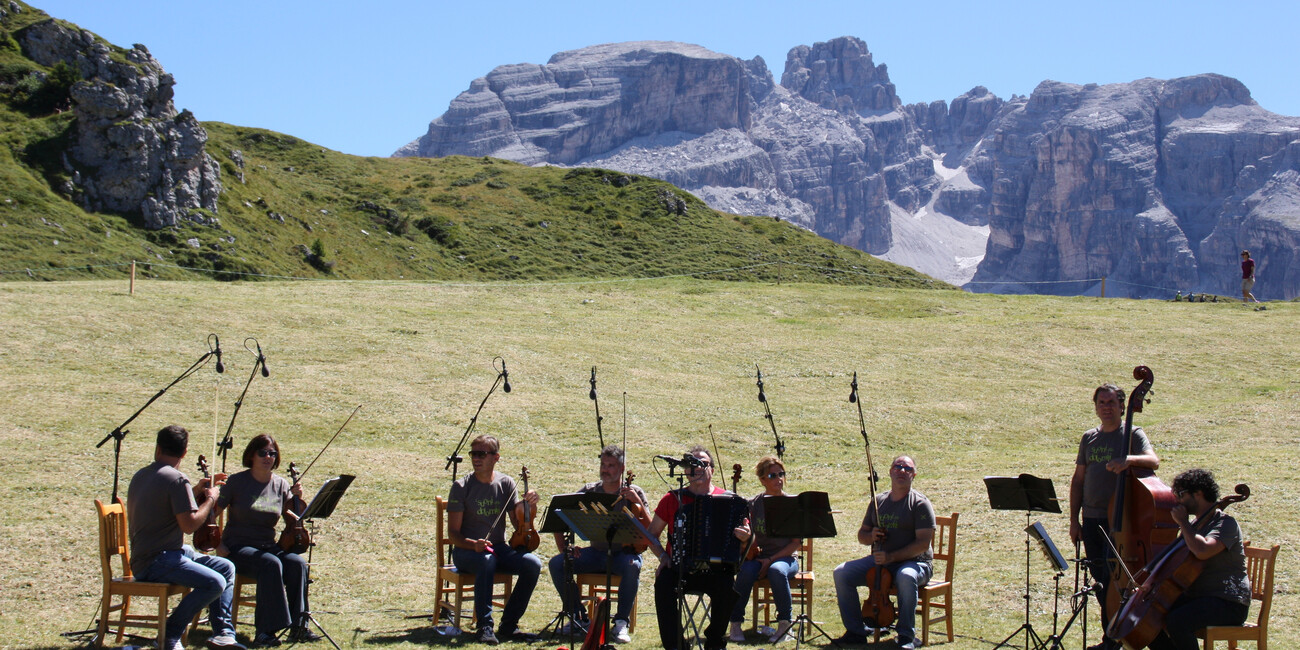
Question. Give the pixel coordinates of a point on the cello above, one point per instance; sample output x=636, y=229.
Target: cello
x=1141, y=519
x=1162, y=581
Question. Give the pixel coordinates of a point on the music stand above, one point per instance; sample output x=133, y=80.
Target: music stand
x=556, y=521
x=805, y=515
x=1031, y=494
x=321, y=507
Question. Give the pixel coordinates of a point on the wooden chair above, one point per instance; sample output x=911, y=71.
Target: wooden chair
x=454, y=585
x=937, y=594
x=801, y=588
x=1259, y=566
x=591, y=586
x=250, y=600
x=114, y=542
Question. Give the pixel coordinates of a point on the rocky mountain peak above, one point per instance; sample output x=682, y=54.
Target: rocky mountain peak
x=840, y=75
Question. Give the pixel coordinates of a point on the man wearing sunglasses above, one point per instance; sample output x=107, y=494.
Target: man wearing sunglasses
x=716, y=582
x=1100, y=461
x=476, y=512
x=626, y=564
x=899, y=528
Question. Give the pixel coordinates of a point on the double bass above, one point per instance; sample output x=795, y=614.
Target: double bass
x=1162, y=581
x=1141, y=519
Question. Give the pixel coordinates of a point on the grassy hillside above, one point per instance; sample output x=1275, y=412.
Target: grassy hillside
x=970, y=385
x=291, y=208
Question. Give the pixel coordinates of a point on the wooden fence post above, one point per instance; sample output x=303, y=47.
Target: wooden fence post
x=132, y=277
x=1103, y=286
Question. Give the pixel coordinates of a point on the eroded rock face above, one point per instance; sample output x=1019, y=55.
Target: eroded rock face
x=1155, y=185
x=135, y=152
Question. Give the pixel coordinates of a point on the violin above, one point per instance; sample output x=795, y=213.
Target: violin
x=208, y=537
x=637, y=511
x=1142, y=617
x=295, y=538
x=1141, y=519
x=525, y=537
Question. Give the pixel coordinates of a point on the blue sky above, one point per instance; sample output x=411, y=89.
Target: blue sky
x=367, y=77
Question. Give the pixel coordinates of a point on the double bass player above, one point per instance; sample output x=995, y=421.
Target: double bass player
x=1100, y=460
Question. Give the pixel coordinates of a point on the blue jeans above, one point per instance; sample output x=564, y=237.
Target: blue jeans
x=281, y=585
x=211, y=579
x=778, y=575
x=626, y=566
x=909, y=577
x=526, y=566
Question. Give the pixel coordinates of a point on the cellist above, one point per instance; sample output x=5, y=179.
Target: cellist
x=1099, y=461
x=1220, y=595
x=901, y=526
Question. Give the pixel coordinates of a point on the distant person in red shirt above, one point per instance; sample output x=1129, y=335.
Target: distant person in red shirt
x=1247, y=277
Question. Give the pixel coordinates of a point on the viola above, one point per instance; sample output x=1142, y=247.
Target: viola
x=208, y=537
x=637, y=510
x=525, y=537
x=1142, y=616
x=295, y=538
x=1141, y=519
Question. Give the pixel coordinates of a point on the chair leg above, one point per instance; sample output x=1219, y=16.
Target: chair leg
x=162, y=621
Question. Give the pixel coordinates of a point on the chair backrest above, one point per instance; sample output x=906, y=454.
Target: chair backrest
x=443, y=559
x=113, y=539
x=945, y=543
x=1260, y=563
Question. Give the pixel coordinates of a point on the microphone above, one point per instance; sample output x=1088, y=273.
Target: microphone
x=505, y=377
x=686, y=459
x=853, y=391
x=592, y=394
x=262, y=359
x=761, y=396
x=221, y=367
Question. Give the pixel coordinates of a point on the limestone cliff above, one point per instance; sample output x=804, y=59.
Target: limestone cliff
x=133, y=153
x=1155, y=185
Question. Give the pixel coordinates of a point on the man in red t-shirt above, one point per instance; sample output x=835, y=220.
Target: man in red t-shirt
x=716, y=582
x=1247, y=277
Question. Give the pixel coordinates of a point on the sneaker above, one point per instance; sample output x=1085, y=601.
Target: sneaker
x=905, y=643
x=264, y=640
x=303, y=634
x=851, y=638
x=737, y=635
x=225, y=642
x=782, y=633
x=620, y=634
x=173, y=644
x=486, y=637
x=514, y=634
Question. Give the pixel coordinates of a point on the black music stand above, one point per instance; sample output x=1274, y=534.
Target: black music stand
x=556, y=522
x=805, y=515
x=1030, y=494
x=321, y=507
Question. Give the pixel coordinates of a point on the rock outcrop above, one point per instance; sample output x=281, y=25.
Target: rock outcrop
x=133, y=153
x=1154, y=185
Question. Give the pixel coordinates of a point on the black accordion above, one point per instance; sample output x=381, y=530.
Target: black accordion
x=703, y=532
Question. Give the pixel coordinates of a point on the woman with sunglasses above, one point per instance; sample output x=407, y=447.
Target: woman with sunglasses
x=775, y=559
x=256, y=499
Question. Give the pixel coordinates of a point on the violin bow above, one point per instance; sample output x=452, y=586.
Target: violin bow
x=327, y=445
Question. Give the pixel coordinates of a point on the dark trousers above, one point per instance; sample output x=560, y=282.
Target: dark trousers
x=281, y=585
x=716, y=584
x=1191, y=614
x=1099, y=556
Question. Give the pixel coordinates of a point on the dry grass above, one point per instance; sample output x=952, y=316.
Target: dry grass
x=970, y=385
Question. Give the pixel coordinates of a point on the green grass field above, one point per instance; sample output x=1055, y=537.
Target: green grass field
x=969, y=385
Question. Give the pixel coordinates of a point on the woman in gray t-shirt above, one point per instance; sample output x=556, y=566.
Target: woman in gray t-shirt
x=254, y=501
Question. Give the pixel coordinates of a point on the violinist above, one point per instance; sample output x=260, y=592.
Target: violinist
x=1220, y=595
x=256, y=500
x=592, y=559
x=161, y=508
x=1100, y=460
x=900, y=527
x=715, y=582
x=774, y=558
x=476, y=511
